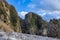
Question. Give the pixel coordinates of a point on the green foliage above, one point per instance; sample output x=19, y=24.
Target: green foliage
x=55, y=21
x=32, y=21
x=1, y=12
x=13, y=16
x=13, y=19
x=1, y=5
x=39, y=25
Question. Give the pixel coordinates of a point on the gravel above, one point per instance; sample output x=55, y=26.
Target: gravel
x=21, y=36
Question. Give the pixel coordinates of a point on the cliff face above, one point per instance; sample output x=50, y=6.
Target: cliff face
x=14, y=19
x=54, y=28
x=9, y=16
x=34, y=24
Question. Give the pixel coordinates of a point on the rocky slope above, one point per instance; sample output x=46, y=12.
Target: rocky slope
x=5, y=27
x=9, y=16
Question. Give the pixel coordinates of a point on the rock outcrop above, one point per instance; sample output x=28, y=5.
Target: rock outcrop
x=5, y=27
x=54, y=28
x=34, y=24
x=9, y=16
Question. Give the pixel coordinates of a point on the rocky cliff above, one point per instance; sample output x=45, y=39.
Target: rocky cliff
x=9, y=16
x=54, y=28
x=34, y=24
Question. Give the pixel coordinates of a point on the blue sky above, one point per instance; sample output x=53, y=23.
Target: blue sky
x=48, y=9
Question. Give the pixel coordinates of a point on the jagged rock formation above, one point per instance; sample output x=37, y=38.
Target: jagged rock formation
x=9, y=16
x=34, y=24
x=54, y=28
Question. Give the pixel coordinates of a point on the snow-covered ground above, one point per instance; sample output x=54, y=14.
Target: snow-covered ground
x=20, y=36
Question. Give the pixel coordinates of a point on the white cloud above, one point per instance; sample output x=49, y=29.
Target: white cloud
x=22, y=13
x=31, y=6
x=43, y=14
x=46, y=7
x=58, y=17
x=48, y=4
x=54, y=12
x=53, y=4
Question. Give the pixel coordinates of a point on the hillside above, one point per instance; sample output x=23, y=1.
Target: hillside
x=9, y=16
